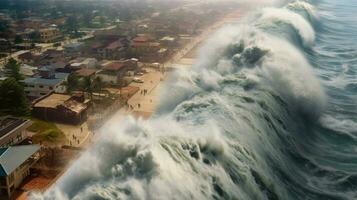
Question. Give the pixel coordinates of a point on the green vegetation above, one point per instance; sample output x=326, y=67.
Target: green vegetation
x=12, y=69
x=12, y=95
x=12, y=98
x=46, y=133
x=84, y=84
x=18, y=39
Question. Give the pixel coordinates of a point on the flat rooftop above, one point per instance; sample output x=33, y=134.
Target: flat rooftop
x=7, y=124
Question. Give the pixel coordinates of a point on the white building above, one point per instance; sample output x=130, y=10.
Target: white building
x=47, y=82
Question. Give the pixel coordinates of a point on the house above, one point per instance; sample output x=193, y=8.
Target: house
x=113, y=72
x=59, y=66
x=110, y=47
x=49, y=34
x=61, y=108
x=15, y=165
x=73, y=49
x=144, y=48
x=30, y=58
x=80, y=62
x=50, y=56
x=114, y=50
x=47, y=82
x=28, y=70
x=84, y=72
x=12, y=130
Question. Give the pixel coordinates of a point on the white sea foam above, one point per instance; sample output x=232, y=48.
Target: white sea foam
x=164, y=157
x=302, y=26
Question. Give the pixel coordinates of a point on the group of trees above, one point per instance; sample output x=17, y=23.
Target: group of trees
x=89, y=85
x=12, y=95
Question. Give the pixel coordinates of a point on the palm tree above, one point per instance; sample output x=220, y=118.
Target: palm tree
x=86, y=85
x=98, y=84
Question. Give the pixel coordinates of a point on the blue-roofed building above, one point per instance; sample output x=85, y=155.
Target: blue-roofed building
x=47, y=82
x=15, y=164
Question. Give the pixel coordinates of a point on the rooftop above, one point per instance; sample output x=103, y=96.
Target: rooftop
x=114, y=45
x=7, y=124
x=75, y=106
x=86, y=72
x=26, y=56
x=59, y=78
x=56, y=100
x=140, y=39
x=52, y=101
x=12, y=157
x=114, y=66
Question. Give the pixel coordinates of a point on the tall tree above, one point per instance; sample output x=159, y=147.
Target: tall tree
x=12, y=69
x=98, y=84
x=86, y=85
x=12, y=98
x=18, y=39
x=72, y=82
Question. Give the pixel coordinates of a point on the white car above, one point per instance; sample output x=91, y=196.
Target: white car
x=138, y=80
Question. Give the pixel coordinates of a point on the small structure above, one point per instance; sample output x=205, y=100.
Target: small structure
x=15, y=165
x=83, y=63
x=12, y=130
x=47, y=82
x=86, y=72
x=27, y=57
x=49, y=34
x=28, y=70
x=113, y=72
x=61, y=108
x=73, y=49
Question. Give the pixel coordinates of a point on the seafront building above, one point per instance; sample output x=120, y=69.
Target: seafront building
x=12, y=130
x=15, y=165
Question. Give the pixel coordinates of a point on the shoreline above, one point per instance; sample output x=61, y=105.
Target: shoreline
x=144, y=105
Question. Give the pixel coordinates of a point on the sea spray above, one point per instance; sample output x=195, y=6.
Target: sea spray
x=226, y=129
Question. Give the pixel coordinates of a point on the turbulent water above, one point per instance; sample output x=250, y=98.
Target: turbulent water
x=269, y=111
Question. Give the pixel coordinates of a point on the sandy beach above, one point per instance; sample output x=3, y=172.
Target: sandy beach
x=142, y=106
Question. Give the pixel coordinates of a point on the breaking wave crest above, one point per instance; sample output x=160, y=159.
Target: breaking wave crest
x=225, y=129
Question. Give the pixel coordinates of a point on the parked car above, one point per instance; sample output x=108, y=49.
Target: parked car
x=138, y=80
x=139, y=73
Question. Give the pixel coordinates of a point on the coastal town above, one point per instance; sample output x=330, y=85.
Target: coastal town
x=68, y=67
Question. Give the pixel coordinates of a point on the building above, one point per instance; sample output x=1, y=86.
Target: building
x=110, y=47
x=30, y=58
x=61, y=108
x=73, y=49
x=115, y=50
x=144, y=48
x=80, y=62
x=15, y=165
x=48, y=81
x=12, y=130
x=84, y=72
x=113, y=72
x=28, y=70
x=49, y=34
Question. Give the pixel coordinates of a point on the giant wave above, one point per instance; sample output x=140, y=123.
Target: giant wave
x=231, y=127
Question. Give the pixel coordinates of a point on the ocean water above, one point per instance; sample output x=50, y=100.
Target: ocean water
x=268, y=111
